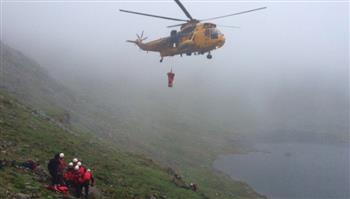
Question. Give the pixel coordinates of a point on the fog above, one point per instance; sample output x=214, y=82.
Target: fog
x=283, y=72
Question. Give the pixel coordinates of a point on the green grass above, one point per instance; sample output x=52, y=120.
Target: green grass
x=118, y=174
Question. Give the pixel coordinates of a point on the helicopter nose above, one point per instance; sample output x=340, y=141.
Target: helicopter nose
x=221, y=41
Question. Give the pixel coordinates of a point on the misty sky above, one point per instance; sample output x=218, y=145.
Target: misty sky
x=288, y=62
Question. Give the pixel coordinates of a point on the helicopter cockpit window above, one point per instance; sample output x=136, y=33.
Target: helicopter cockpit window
x=214, y=33
x=207, y=32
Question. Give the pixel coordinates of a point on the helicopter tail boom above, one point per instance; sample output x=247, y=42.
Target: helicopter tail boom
x=132, y=41
x=139, y=43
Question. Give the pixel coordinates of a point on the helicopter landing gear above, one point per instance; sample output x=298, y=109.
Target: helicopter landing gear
x=209, y=56
x=161, y=60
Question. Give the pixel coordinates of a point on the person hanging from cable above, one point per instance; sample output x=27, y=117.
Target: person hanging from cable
x=171, y=76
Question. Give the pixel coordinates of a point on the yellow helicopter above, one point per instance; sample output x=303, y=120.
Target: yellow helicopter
x=194, y=36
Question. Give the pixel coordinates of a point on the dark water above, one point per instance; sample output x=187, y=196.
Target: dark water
x=310, y=171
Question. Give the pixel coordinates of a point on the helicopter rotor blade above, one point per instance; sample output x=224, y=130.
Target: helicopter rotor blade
x=229, y=15
x=151, y=15
x=176, y=25
x=225, y=26
x=184, y=9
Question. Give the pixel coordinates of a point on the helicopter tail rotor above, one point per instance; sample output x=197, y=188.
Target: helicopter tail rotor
x=141, y=38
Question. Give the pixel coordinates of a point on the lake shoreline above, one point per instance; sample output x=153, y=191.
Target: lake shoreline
x=287, y=163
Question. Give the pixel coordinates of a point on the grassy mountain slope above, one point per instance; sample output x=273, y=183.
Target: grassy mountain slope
x=25, y=79
x=28, y=135
x=187, y=146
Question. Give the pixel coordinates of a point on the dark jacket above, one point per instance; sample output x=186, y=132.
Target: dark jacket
x=53, y=165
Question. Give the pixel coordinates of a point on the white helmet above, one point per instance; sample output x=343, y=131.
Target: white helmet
x=61, y=155
x=75, y=160
x=79, y=163
x=88, y=170
x=70, y=164
x=76, y=167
